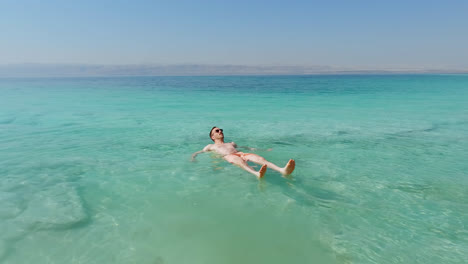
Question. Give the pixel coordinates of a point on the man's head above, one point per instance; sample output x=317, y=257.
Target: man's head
x=216, y=133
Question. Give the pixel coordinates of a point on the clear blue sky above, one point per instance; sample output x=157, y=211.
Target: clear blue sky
x=336, y=33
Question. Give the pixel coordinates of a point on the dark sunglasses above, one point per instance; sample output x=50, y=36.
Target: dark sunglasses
x=217, y=130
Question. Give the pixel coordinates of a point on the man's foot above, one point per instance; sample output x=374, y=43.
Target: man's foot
x=289, y=168
x=262, y=171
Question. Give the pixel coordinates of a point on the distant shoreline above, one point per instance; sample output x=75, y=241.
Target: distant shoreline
x=37, y=70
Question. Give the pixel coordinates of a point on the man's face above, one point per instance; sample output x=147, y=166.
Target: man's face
x=217, y=133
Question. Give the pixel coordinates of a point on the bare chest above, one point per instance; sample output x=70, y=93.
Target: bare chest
x=225, y=149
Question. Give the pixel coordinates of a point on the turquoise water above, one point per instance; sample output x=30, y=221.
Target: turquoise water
x=98, y=170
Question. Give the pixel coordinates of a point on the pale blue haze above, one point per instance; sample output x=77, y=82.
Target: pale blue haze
x=97, y=170
x=369, y=34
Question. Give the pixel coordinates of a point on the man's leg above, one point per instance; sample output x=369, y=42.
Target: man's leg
x=241, y=163
x=288, y=169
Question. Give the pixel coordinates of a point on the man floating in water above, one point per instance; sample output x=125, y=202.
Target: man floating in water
x=232, y=155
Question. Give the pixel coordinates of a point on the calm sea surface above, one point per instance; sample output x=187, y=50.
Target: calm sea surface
x=98, y=170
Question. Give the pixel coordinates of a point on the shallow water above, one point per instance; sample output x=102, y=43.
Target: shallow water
x=98, y=170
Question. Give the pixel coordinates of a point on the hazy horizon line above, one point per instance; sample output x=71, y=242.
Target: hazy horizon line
x=18, y=70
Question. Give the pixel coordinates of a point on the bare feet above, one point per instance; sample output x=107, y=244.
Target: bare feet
x=289, y=168
x=262, y=171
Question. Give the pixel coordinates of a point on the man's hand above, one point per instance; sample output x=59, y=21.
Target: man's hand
x=195, y=154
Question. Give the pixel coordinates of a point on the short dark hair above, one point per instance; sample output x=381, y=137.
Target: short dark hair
x=211, y=131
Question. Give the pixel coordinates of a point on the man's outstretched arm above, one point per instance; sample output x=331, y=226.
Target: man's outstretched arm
x=254, y=149
x=243, y=147
x=195, y=154
x=205, y=149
